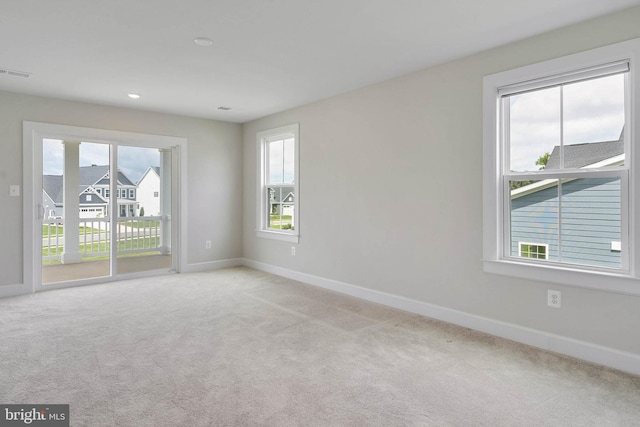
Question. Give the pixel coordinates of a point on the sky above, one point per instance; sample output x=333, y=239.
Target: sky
x=592, y=111
x=133, y=161
x=281, y=161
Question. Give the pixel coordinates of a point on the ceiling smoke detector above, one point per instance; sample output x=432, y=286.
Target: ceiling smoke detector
x=203, y=41
x=14, y=73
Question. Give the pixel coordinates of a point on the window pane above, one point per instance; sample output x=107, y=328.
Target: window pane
x=281, y=154
x=288, y=160
x=593, y=112
x=591, y=222
x=534, y=218
x=281, y=206
x=534, y=127
x=276, y=161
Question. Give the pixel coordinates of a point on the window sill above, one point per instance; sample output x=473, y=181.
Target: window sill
x=598, y=280
x=278, y=235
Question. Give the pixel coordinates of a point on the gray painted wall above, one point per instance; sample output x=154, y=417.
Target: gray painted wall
x=214, y=171
x=391, y=193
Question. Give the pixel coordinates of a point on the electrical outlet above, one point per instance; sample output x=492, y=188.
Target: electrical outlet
x=207, y=244
x=554, y=299
x=293, y=250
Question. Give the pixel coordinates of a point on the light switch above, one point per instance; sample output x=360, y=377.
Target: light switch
x=14, y=190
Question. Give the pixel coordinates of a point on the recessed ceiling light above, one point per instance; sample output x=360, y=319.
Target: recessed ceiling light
x=134, y=96
x=224, y=108
x=203, y=41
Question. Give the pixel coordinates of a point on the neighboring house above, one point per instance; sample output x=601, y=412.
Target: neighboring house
x=149, y=191
x=52, y=196
x=589, y=231
x=93, y=205
x=98, y=178
x=93, y=193
x=282, y=200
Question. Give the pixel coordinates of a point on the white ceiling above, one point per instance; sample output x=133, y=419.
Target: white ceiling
x=267, y=56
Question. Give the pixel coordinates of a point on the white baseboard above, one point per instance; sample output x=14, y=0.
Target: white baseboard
x=624, y=361
x=213, y=265
x=14, y=290
x=20, y=289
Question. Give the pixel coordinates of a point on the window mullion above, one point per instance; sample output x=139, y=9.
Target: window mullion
x=562, y=127
x=559, y=219
x=506, y=219
x=505, y=139
x=504, y=162
x=625, y=235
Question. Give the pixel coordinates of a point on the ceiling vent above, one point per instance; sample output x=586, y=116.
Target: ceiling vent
x=15, y=73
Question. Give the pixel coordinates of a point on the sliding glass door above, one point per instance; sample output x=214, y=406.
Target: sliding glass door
x=75, y=220
x=106, y=210
x=144, y=209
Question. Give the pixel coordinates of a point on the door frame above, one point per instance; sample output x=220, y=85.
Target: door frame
x=33, y=134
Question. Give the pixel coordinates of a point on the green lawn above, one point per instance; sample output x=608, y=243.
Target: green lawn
x=280, y=222
x=51, y=230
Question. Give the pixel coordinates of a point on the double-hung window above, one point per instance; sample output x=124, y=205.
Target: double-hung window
x=561, y=169
x=278, y=214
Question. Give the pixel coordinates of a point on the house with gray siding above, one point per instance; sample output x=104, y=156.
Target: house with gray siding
x=281, y=201
x=586, y=229
x=93, y=193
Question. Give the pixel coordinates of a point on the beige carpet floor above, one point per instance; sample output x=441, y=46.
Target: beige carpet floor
x=238, y=347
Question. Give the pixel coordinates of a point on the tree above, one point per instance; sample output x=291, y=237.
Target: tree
x=518, y=184
x=542, y=160
x=142, y=211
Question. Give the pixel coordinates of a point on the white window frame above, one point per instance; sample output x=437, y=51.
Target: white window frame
x=495, y=213
x=263, y=138
x=132, y=193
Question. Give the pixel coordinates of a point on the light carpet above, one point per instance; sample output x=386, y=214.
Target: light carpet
x=239, y=347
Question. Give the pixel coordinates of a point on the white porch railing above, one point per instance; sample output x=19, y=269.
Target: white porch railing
x=134, y=235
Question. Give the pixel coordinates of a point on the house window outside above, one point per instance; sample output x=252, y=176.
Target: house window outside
x=132, y=193
x=533, y=250
x=155, y=194
x=106, y=193
x=558, y=168
x=278, y=183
